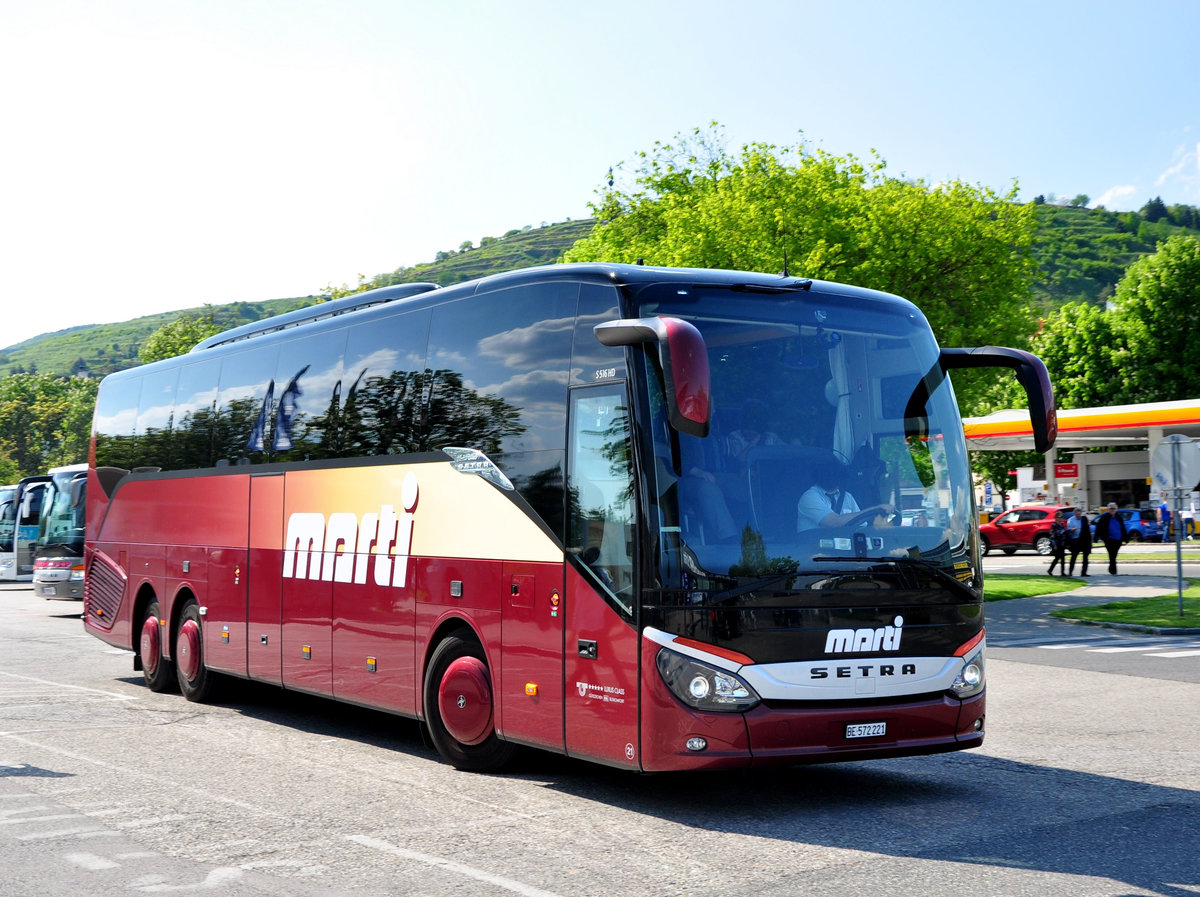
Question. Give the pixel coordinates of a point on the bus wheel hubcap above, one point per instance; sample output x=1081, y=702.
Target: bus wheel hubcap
x=188, y=649
x=465, y=700
x=149, y=646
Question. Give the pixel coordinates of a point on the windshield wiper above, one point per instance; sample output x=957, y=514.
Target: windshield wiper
x=921, y=563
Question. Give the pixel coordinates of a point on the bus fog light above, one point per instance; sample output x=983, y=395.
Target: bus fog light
x=696, y=743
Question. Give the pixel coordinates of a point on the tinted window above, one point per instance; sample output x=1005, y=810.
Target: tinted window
x=245, y=401
x=591, y=361
x=155, y=407
x=499, y=366
x=308, y=388
x=116, y=423
x=195, y=412
x=384, y=386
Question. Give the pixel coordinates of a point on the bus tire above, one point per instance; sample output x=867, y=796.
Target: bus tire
x=459, y=706
x=196, y=681
x=158, y=672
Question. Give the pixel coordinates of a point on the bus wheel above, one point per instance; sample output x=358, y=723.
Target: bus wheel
x=158, y=672
x=459, y=708
x=195, y=680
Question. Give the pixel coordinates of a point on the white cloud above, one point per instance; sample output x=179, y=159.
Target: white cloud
x=1183, y=172
x=1119, y=198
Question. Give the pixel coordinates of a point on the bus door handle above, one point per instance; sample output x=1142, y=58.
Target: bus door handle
x=587, y=648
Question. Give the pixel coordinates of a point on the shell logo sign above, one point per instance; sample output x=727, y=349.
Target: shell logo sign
x=342, y=546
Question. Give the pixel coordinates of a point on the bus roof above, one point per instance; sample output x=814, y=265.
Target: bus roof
x=615, y=273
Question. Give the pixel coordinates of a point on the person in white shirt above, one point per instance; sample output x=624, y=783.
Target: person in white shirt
x=826, y=503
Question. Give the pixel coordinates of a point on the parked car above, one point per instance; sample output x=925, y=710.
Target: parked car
x=1141, y=525
x=1025, y=527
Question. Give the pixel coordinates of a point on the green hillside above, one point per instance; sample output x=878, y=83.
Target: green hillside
x=1081, y=253
x=99, y=349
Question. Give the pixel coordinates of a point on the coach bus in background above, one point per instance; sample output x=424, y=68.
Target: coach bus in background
x=539, y=509
x=58, y=562
x=20, y=510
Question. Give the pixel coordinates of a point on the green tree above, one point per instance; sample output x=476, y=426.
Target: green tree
x=1154, y=210
x=45, y=421
x=1156, y=317
x=178, y=337
x=1078, y=346
x=961, y=253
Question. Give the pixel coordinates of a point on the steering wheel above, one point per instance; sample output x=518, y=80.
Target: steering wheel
x=863, y=518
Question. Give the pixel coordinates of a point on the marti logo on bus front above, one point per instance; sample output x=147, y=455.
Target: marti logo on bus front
x=852, y=641
x=339, y=549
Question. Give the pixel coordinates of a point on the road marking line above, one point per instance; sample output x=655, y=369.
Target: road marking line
x=1176, y=654
x=1117, y=650
x=91, y=862
x=449, y=865
x=95, y=691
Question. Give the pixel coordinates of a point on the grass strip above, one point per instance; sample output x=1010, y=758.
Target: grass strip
x=1161, y=611
x=1005, y=586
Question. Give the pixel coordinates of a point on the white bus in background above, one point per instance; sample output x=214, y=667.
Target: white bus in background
x=58, y=568
x=20, y=513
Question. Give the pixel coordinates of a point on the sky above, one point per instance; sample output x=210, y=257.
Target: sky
x=162, y=154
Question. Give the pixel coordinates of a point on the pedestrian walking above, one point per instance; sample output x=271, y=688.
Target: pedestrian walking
x=1164, y=521
x=1058, y=544
x=1110, y=529
x=1079, y=540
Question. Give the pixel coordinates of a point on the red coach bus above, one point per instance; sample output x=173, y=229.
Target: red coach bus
x=567, y=507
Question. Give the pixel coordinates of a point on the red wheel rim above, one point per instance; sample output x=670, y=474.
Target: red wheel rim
x=188, y=649
x=149, y=646
x=465, y=700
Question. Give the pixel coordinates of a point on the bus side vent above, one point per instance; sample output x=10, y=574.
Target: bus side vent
x=103, y=589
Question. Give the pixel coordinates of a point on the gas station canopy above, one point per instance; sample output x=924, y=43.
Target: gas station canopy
x=1082, y=428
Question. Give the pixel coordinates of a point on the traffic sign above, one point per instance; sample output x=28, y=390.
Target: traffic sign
x=1175, y=463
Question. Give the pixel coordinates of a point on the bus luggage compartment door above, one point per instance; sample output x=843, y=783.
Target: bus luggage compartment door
x=531, y=691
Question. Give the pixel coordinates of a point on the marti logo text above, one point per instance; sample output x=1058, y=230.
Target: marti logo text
x=341, y=547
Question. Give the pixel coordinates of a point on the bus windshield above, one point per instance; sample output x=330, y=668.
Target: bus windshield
x=833, y=436
x=8, y=517
x=62, y=520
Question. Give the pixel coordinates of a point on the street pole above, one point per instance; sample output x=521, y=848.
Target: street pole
x=1176, y=518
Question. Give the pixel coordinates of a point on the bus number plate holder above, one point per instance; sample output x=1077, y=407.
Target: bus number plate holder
x=866, y=730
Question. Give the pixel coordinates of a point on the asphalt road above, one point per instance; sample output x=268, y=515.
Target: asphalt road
x=1087, y=785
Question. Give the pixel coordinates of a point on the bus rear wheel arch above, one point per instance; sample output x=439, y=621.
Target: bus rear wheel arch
x=460, y=705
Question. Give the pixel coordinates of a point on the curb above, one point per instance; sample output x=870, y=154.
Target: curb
x=1133, y=627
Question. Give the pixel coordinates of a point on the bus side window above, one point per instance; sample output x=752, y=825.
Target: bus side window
x=600, y=488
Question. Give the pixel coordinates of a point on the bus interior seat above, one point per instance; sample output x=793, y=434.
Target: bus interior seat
x=777, y=476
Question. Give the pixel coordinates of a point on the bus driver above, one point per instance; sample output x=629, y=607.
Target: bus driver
x=826, y=503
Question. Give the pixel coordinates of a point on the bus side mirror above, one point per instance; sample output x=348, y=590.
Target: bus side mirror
x=1031, y=373
x=684, y=360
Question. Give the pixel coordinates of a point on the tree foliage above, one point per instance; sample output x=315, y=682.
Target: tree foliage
x=1156, y=316
x=1143, y=348
x=178, y=337
x=45, y=421
x=961, y=253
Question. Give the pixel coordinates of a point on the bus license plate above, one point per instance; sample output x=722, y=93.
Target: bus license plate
x=49, y=590
x=865, y=730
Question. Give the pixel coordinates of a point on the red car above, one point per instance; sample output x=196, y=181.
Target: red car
x=1027, y=527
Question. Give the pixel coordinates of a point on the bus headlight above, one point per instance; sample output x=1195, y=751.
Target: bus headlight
x=76, y=574
x=702, y=686
x=970, y=678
